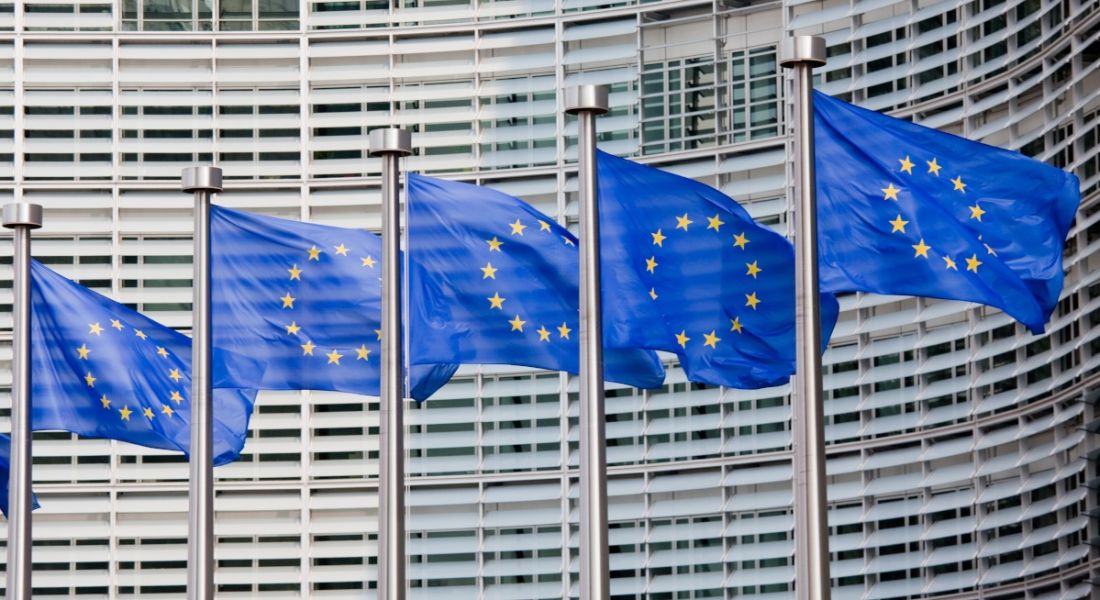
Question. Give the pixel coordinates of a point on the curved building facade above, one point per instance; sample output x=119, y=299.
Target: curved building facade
x=961, y=447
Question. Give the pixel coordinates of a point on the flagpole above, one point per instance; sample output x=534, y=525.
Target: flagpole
x=203, y=182
x=21, y=218
x=391, y=144
x=587, y=102
x=811, y=516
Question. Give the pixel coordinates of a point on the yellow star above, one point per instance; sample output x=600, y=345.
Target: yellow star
x=653, y=293
x=950, y=264
x=496, y=301
x=162, y=352
x=148, y=412
x=973, y=263
x=751, y=300
x=175, y=397
x=367, y=261
x=899, y=224
x=141, y=334
x=753, y=269
x=314, y=253
x=517, y=324
x=105, y=401
x=568, y=242
x=494, y=244
x=89, y=379
x=295, y=272
x=378, y=334
x=933, y=167
x=682, y=222
x=307, y=348
x=659, y=238
x=740, y=240
x=682, y=338
x=175, y=375
x=293, y=328
x=125, y=412
x=714, y=222
x=288, y=300
x=334, y=357
x=116, y=324
x=95, y=328
x=959, y=185
x=342, y=250
x=83, y=351
x=651, y=263
x=735, y=324
x=362, y=353
x=167, y=410
x=890, y=192
x=989, y=250
x=976, y=212
x=544, y=226
x=544, y=333
x=488, y=271
x=517, y=227
x=921, y=249
x=563, y=331
x=711, y=340
x=906, y=165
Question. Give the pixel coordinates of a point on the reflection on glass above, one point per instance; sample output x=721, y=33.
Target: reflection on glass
x=167, y=9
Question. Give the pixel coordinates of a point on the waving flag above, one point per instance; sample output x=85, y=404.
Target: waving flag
x=687, y=270
x=905, y=209
x=494, y=281
x=306, y=300
x=103, y=370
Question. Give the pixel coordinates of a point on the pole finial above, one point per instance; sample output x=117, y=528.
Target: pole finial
x=201, y=179
x=802, y=49
x=22, y=214
x=586, y=98
x=390, y=140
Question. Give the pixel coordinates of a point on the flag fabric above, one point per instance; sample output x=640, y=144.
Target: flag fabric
x=494, y=281
x=687, y=270
x=306, y=300
x=103, y=370
x=905, y=209
x=5, y=474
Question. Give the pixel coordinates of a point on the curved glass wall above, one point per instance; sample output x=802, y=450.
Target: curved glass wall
x=961, y=447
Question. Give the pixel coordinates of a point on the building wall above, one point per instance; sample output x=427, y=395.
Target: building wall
x=960, y=445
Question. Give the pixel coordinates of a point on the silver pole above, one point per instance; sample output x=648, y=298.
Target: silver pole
x=588, y=101
x=21, y=218
x=203, y=182
x=391, y=144
x=811, y=516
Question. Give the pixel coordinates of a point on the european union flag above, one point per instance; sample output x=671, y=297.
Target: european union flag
x=905, y=209
x=690, y=272
x=5, y=474
x=306, y=300
x=494, y=281
x=105, y=371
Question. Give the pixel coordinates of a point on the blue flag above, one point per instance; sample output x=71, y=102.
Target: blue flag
x=5, y=474
x=102, y=370
x=306, y=300
x=905, y=209
x=494, y=281
x=688, y=271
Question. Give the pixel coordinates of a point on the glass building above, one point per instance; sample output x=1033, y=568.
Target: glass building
x=961, y=458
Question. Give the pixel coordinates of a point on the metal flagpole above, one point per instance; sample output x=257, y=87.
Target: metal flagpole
x=391, y=144
x=21, y=218
x=588, y=101
x=811, y=517
x=204, y=182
